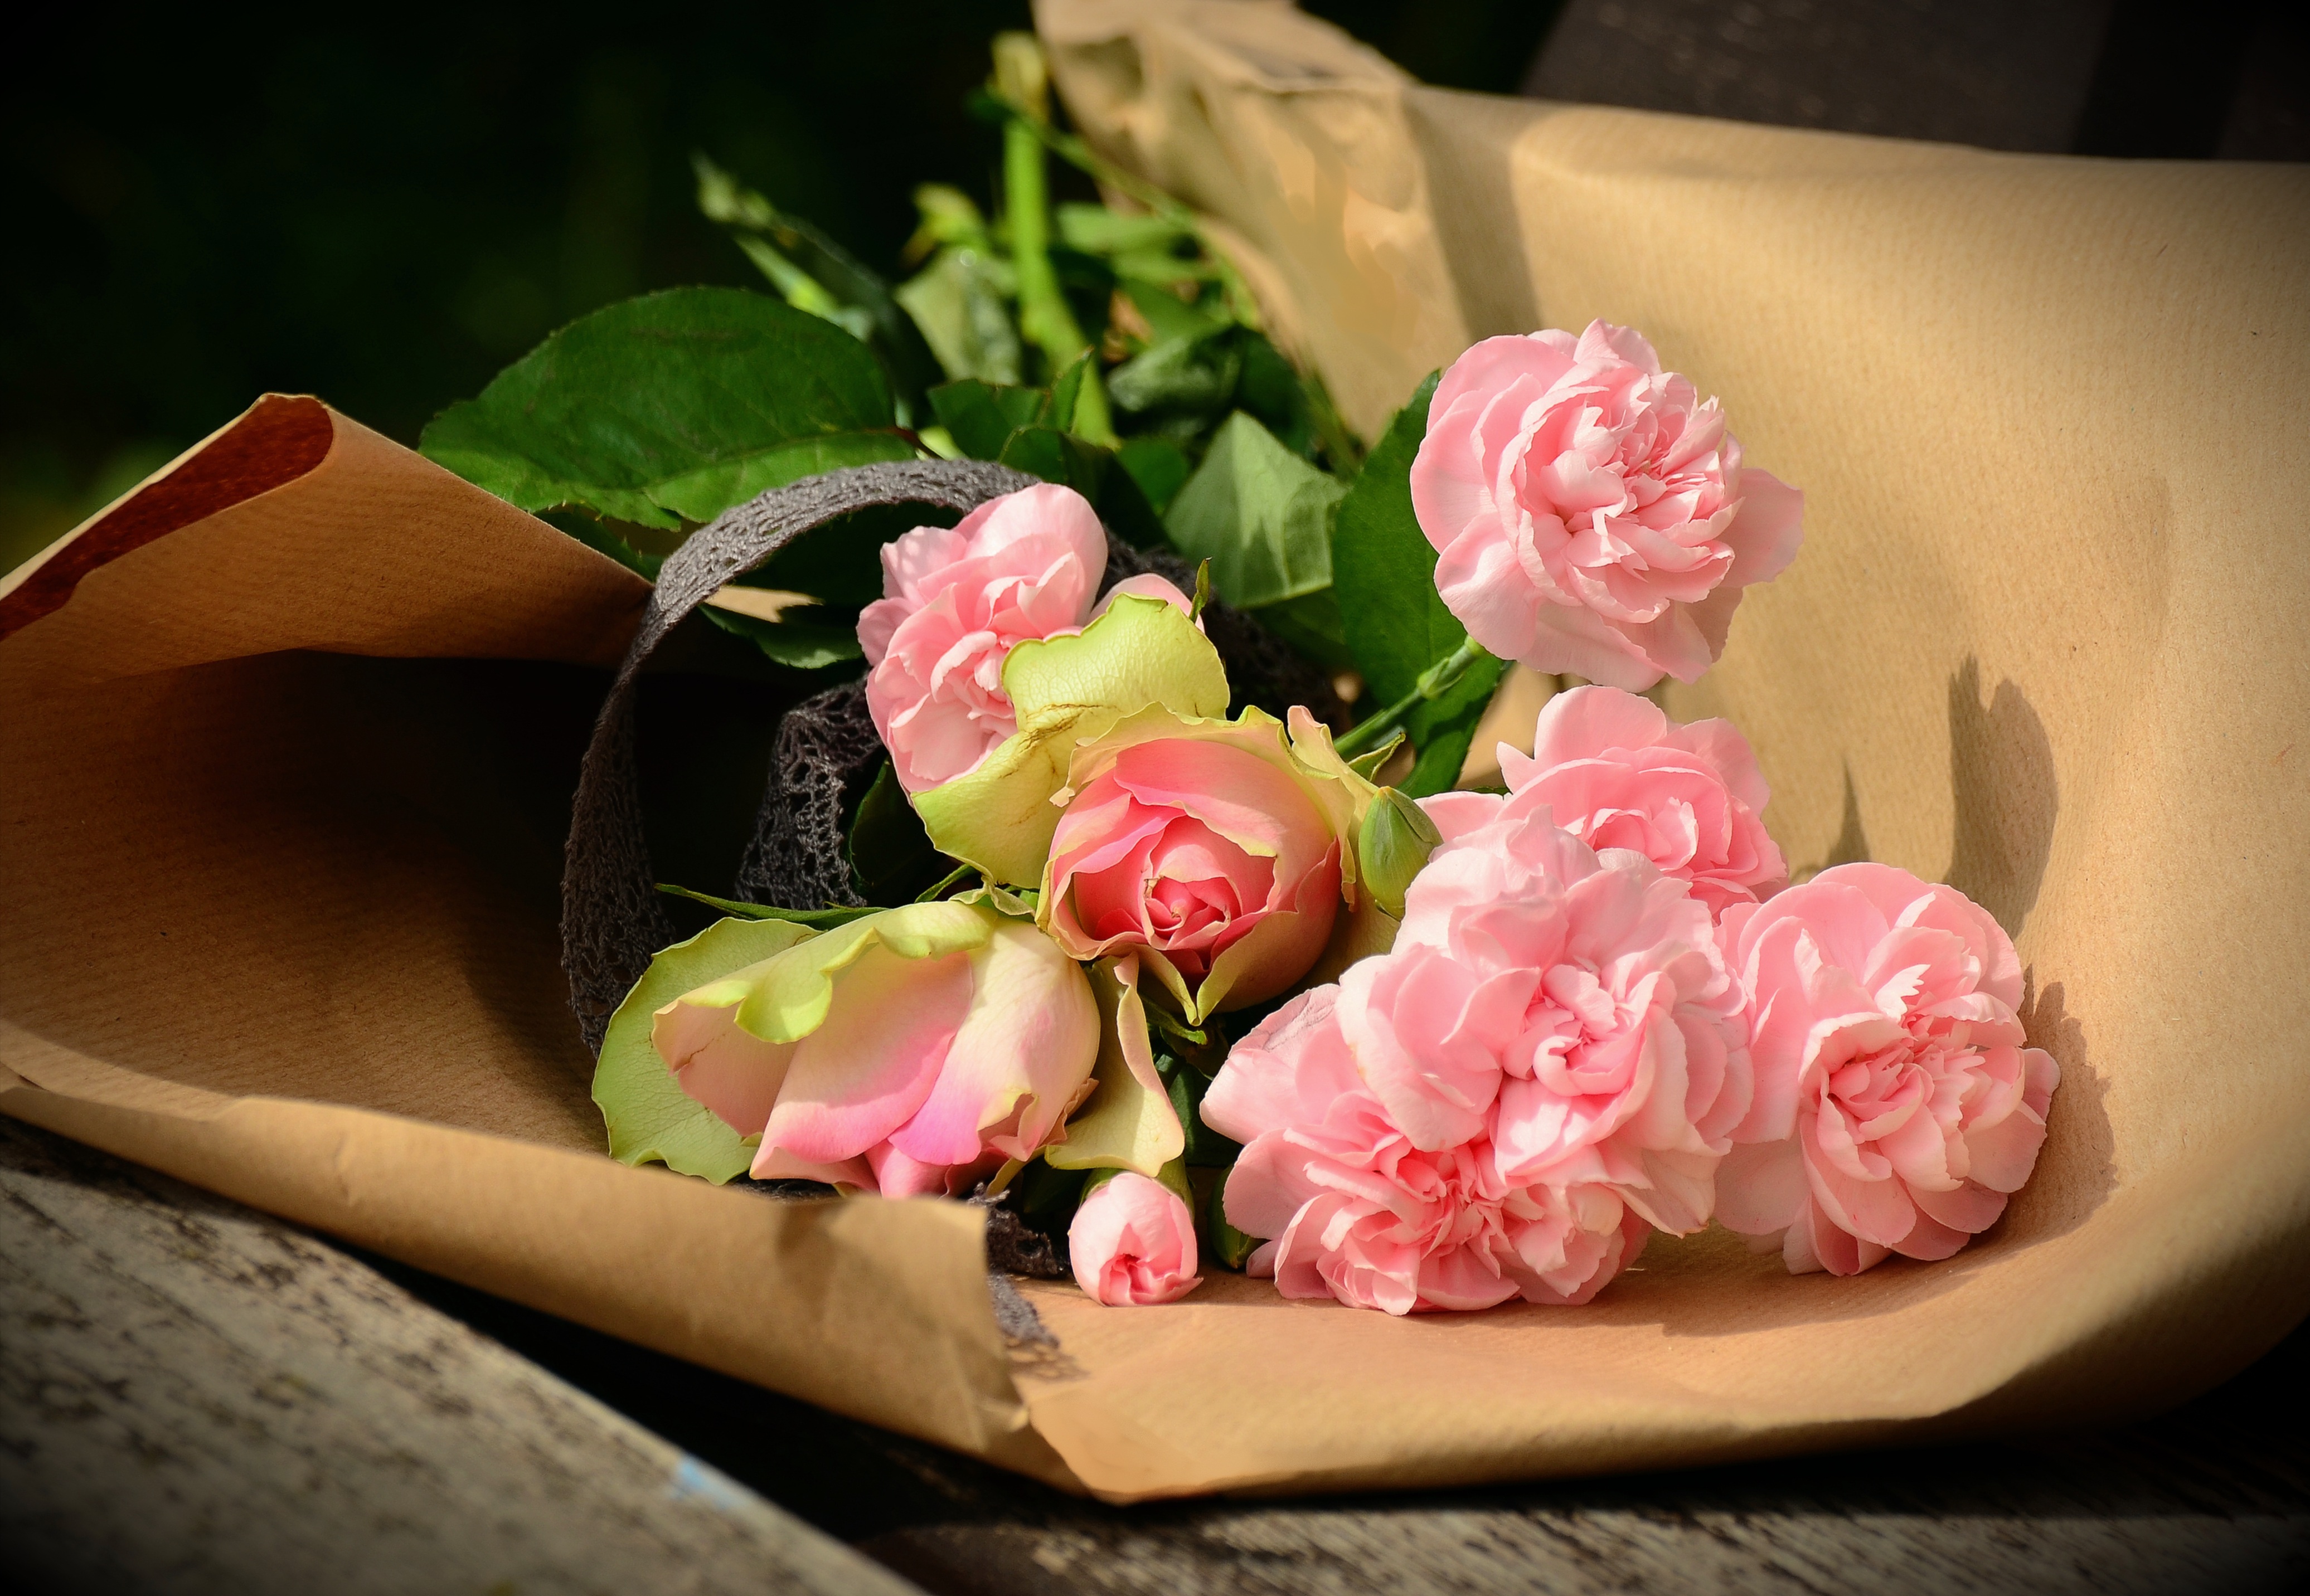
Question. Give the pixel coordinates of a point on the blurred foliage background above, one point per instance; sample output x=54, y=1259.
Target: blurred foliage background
x=208, y=205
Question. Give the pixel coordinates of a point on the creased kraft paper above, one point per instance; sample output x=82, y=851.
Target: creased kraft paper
x=291, y=733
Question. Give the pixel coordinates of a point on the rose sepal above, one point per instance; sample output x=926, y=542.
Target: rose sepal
x=1128, y=1121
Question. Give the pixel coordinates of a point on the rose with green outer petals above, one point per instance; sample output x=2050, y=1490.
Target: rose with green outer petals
x=1065, y=691
x=904, y=1053
x=650, y=1119
x=1215, y=850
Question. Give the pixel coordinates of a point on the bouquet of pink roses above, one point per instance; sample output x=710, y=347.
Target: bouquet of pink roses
x=1154, y=916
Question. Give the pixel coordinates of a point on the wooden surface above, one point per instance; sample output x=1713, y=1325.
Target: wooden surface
x=195, y=1398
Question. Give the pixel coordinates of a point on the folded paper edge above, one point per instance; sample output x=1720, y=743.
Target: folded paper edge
x=274, y=442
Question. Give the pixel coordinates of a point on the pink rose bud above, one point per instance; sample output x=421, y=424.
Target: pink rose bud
x=1590, y=514
x=1395, y=842
x=1356, y=1211
x=1617, y=773
x=1133, y=1243
x=1895, y=1109
x=955, y=601
x=1211, y=852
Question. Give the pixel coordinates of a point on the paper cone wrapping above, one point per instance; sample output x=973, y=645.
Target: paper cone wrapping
x=287, y=729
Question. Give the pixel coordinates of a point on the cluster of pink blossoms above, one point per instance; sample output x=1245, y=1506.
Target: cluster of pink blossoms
x=1591, y=1026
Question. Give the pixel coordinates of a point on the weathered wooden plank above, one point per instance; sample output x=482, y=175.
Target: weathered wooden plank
x=195, y=1398
x=2215, y=1497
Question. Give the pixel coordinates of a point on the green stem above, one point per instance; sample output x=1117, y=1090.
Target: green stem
x=1069, y=148
x=954, y=879
x=1339, y=444
x=1044, y=314
x=1434, y=682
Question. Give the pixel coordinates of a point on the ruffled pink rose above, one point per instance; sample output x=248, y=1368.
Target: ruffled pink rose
x=1208, y=855
x=1617, y=773
x=1355, y=1210
x=1571, y=1009
x=1896, y=1109
x=1591, y=514
x=955, y=601
x=1133, y=1243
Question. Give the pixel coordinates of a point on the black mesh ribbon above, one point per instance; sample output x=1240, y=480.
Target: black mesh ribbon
x=613, y=920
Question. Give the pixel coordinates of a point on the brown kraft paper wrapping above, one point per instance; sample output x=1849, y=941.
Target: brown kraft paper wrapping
x=280, y=913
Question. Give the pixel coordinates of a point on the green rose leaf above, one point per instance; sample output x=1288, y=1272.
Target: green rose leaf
x=671, y=406
x=649, y=1117
x=817, y=919
x=1167, y=316
x=1260, y=514
x=981, y=416
x=958, y=302
x=804, y=644
x=1190, y=375
x=1067, y=690
x=1383, y=577
x=1160, y=466
x=1092, y=471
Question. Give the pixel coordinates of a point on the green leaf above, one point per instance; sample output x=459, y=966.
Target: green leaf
x=958, y=302
x=806, y=646
x=1271, y=389
x=1091, y=471
x=1312, y=624
x=1206, y=1148
x=703, y=493
x=1169, y=316
x=1097, y=231
x=1383, y=575
x=671, y=406
x=1261, y=515
x=1057, y=457
x=1066, y=393
x=861, y=300
x=817, y=919
x=981, y=416
x=890, y=856
x=1190, y=375
x=1229, y=1247
x=650, y=1119
x=1160, y=466
x=1160, y=266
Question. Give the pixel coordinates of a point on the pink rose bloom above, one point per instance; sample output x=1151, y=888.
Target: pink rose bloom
x=1205, y=854
x=1573, y=1010
x=1359, y=1213
x=955, y=601
x=1133, y=1243
x=1619, y=774
x=1590, y=514
x=1896, y=1108
x=907, y=1053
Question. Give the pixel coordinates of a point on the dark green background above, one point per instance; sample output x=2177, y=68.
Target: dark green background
x=203, y=208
